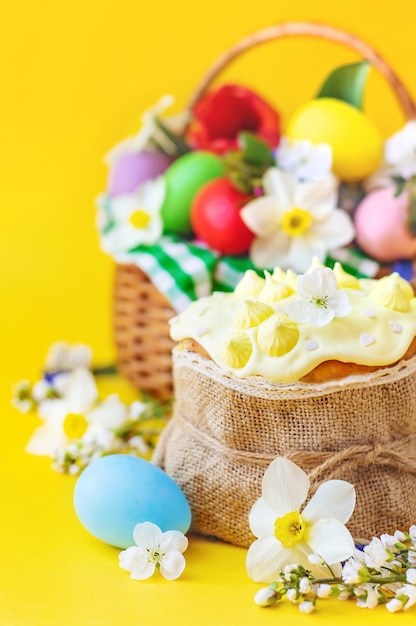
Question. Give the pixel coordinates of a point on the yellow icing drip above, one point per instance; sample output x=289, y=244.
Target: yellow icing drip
x=392, y=292
x=237, y=349
x=344, y=279
x=252, y=313
x=278, y=335
x=274, y=290
x=250, y=285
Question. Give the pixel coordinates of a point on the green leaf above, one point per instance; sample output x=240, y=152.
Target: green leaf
x=347, y=83
x=255, y=150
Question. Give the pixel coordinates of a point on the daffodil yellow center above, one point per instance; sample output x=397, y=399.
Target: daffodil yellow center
x=289, y=529
x=139, y=219
x=75, y=425
x=296, y=222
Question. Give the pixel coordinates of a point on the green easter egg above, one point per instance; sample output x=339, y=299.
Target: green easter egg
x=183, y=180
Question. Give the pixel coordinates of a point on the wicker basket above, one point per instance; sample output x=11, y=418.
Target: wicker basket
x=141, y=313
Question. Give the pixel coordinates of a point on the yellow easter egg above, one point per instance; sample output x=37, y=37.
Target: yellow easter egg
x=357, y=145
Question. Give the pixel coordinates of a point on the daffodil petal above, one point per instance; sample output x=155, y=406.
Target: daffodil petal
x=174, y=540
x=269, y=252
x=111, y=413
x=317, y=197
x=331, y=540
x=263, y=559
x=302, y=250
x=280, y=185
x=336, y=230
x=334, y=498
x=172, y=565
x=147, y=534
x=46, y=440
x=267, y=557
x=285, y=486
x=261, y=519
x=261, y=215
x=81, y=391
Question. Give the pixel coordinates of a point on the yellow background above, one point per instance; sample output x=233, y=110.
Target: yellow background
x=75, y=77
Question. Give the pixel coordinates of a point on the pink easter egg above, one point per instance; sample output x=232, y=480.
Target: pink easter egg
x=381, y=228
x=132, y=169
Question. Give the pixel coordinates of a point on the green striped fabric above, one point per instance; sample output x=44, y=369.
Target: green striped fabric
x=185, y=271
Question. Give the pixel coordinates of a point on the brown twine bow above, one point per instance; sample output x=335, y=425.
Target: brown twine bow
x=399, y=454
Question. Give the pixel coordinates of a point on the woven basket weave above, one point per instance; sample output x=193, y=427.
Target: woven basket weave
x=140, y=311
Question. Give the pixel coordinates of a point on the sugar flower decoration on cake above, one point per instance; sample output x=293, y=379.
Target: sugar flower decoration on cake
x=319, y=300
x=286, y=535
x=129, y=220
x=304, y=159
x=154, y=550
x=295, y=221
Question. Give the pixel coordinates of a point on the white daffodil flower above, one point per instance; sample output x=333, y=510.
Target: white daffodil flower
x=320, y=299
x=305, y=160
x=74, y=415
x=286, y=535
x=129, y=220
x=154, y=550
x=400, y=151
x=295, y=221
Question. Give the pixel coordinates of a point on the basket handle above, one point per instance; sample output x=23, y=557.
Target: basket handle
x=311, y=29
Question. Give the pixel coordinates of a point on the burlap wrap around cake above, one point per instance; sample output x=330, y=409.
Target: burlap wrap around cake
x=228, y=424
x=226, y=431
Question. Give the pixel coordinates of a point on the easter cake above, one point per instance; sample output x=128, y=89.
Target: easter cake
x=318, y=367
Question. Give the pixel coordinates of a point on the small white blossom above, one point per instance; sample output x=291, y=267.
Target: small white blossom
x=265, y=597
x=292, y=595
x=154, y=550
x=376, y=555
x=394, y=605
x=306, y=607
x=409, y=591
x=305, y=160
x=320, y=299
x=367, y=595
x=411, y=576
x=324, y=591
x=354, y=571
x=305, y=585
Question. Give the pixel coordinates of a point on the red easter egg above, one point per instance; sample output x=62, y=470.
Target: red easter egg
x=215, y=217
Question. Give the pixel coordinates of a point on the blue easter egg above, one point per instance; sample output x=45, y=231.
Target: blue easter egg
x=118, y=491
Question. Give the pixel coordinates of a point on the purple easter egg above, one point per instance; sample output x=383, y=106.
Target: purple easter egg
x=132, y=169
